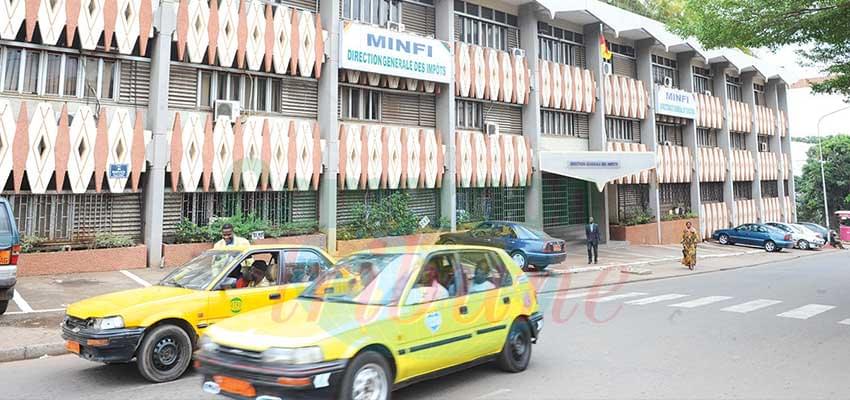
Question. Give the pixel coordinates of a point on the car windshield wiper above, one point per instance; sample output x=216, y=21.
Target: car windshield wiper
x=311, y=297
x=173, y=283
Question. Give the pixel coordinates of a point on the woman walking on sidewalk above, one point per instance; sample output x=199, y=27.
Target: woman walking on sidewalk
x=689, y=246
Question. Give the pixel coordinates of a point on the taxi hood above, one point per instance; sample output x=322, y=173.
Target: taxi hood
x=296, y=323
x=119, y=303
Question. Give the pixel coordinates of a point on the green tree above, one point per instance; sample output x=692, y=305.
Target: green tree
x=659, y=10
x=820, y=26
x=836, y=154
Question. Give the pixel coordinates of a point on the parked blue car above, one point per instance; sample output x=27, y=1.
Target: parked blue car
x=761, y=235
x=10, y=250
x=526, y=245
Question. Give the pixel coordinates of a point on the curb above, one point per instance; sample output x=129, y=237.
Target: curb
x=682, y=275
x=32, y=351
x=579, y=270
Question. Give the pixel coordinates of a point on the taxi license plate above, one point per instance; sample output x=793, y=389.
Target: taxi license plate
x=5, y=257
x=72, y=346
x=235, y=386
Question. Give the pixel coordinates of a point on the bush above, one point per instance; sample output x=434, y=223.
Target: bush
x=30, y=244
x=643, y=217
x=110, y=241
x=390, y=217
x=243, y=225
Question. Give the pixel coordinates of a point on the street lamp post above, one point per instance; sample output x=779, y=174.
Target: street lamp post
x=820, y=156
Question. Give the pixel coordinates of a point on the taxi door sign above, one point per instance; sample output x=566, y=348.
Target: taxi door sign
x=433, y=321
x=235, y=305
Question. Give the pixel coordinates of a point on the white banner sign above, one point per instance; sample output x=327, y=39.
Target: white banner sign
x=372, y=49
x=675, y=102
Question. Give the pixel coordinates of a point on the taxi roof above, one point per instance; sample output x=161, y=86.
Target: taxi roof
x=422, y=249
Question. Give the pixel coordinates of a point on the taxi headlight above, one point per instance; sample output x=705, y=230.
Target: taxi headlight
x=108, y=323
x=206, y=344
x=300, y=355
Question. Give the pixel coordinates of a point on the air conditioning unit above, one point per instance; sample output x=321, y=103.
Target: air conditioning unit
x=227, y=108
x=607, y=69
x=517, y=52
x=763, y=147
x=491, y=128
x=668, y=81
x=395, y=26
x=708, y=93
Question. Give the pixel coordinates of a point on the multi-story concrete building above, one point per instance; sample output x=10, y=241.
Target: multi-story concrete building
x=125, y=116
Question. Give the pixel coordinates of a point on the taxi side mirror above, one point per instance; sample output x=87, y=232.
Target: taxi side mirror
x=227, y=283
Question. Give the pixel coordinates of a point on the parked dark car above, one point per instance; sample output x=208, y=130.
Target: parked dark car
x=765, y=236
x=819, y=229
x=526, y=245
x=10, y=250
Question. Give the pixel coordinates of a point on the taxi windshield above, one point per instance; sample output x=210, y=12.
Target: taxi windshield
x=375, y=279
x=200, y=271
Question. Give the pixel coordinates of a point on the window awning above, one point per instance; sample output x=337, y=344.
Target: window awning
x=599, y=167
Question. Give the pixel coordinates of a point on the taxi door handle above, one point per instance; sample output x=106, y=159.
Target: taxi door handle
x=464, y=310
x=506, y=300
x=274, y=296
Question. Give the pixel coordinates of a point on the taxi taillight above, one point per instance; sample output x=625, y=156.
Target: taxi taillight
x=16, y=253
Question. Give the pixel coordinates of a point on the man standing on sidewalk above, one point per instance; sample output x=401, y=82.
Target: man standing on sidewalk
x=591, y=231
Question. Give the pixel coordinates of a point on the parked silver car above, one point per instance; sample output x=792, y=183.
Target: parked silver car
x=804, y=238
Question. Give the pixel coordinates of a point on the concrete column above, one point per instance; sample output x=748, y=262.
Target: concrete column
x=597, y=139
x=772, y=99
x=444, y=15
x=643, y=50
x=689, y=132
x=752, y=140
x=158, y=121
x=782, y=103
x=329, y=121
x=531, y=116
x=718, y=71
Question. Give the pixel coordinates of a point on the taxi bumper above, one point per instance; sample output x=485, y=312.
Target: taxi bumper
x=114, y=345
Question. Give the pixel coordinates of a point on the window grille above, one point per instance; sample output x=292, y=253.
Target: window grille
x=711, y=192
x=743, y=190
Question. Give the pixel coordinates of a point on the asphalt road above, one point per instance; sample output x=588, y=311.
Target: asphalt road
x=775, y=331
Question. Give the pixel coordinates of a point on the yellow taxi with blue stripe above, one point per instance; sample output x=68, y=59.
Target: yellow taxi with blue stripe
x=158, y=326
x=379, y=320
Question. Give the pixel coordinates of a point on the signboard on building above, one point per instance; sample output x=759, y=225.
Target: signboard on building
x=372, y=49
x=118, y=171
x=675, y=102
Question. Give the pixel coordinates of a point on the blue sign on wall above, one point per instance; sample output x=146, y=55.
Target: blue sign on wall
x=118, y=171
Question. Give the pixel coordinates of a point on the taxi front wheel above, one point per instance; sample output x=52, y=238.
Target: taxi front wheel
x=368, y=377
x=164, y=354
x=516, y=353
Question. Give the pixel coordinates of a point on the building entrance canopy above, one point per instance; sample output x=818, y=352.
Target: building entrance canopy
x=599, y=167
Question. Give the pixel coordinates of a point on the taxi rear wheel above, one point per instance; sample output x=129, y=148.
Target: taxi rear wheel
x=368, y=377
x=516, y=353
x=165, y=353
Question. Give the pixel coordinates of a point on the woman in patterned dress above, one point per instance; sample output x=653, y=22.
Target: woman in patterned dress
x=689, y=246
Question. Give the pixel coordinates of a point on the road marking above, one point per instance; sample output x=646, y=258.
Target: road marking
x=135, y=278
x=806, y=312
x=22, y=304
x=616, y=297
x=701, y=302
x=48, y=310
x=845, y=322
x=751, y=306
x=656, y=299
x=494, y=393
x=577, y=295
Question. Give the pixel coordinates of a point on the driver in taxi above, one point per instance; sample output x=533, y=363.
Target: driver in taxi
x=429, y=288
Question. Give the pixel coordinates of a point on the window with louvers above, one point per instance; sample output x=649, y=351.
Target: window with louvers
x=669, y=133
x=758, y=91
x=632, y=200
x=706, y=137
x=711, y=192
x=622, y=130
x=561, y=123
x=702, y=80
x=674, y=195
x=743, y=190
x=485, y=26
x=274, y=207
x=733, y=88
x=664, y=68
x=739, y=140
x=422, y=202
x=560, y=45
x=764, y=143
x=418, y=18
x=769, y=189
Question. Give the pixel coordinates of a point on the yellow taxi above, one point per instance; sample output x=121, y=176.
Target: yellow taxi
x=159, y=325
x=379, y=320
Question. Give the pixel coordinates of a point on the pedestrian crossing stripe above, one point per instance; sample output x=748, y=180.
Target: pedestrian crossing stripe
x=701, y=301
x=751, y=306
x=656, y=299
x=806, y=312
x=616, y=297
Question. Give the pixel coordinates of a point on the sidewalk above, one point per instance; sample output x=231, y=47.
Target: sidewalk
x=30, y=329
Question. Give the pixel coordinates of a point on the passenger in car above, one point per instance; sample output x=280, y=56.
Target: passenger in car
x=481, y=278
